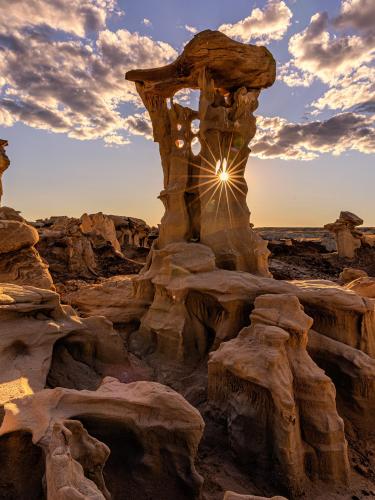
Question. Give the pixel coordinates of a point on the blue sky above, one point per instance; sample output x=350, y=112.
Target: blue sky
x=79, y=139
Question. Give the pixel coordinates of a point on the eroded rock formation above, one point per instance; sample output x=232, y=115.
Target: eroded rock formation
x=74, y=463
x=353, y=373
x=190, y=306
x=102, y=226
x=205, y=194
x=280, y=406
x=152, y=431
x=348, y=238
x=32, y=321
x=112, y=298
x=93, y=246
x=20, y=262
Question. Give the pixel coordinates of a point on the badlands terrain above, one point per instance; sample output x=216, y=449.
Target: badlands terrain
x=202, y=359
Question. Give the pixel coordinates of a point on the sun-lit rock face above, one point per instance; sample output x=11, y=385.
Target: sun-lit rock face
x=363, y=286
x=32, y=322
x=204, y=152
x=20, y=262
x=4, y=163
x=103, y=226
x=349, y=274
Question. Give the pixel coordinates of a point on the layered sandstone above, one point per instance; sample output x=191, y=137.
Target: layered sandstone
x=32, y=324
x=20, y=262
x=152, y=431
x=96, y=245
x=187, y=306
x=280, y=406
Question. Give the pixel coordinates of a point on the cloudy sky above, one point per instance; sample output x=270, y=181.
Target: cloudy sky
x=80, y=138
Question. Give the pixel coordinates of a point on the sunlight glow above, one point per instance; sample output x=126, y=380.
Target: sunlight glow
x=224, y=176
x=219, y=178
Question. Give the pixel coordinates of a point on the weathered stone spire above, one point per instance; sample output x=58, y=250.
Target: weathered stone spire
x=205, y=191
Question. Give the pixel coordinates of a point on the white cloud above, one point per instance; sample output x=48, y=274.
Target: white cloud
x=357, y=14
x=6, y=119
x=318, y=54
x=294, y=77
x=191, y=29
x=278, y=138
x=72, y=85
x=76, y=16
x=263, y=25
x=147, y=22
x=116, y=139
x=356, y=90
x=139, y=124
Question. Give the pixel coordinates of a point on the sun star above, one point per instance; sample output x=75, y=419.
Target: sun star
x=224, y=176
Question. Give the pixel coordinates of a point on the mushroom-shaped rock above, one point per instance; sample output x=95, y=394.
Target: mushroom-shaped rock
x=230, y=76
x=351, y=218
x=348, y=238
x=231, y=64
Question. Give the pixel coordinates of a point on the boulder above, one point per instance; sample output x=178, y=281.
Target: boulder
x=16, y=235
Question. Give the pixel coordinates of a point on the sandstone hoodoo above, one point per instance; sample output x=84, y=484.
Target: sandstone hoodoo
x=205, y=195
x=280, y=406
x=348, y=238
